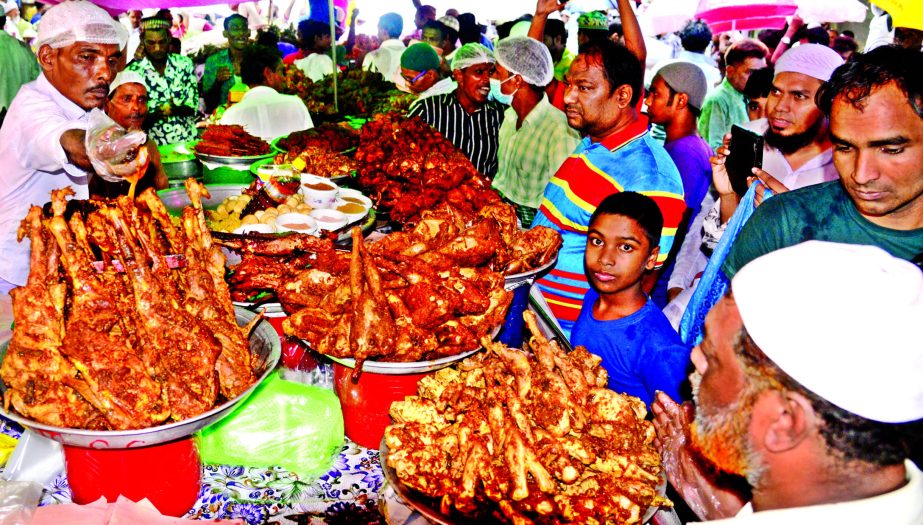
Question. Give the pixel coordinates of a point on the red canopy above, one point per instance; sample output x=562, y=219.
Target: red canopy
x=745, y=15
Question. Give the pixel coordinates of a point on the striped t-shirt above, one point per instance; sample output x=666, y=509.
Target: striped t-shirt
x=475, y=134
x=629, y=160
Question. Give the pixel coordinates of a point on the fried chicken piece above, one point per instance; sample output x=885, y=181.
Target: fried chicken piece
x=532, y=248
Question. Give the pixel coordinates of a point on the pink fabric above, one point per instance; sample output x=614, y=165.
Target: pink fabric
x=743, y=15
x=122, y=512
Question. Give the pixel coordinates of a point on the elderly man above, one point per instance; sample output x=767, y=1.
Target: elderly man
x=420, y=72
x=616, y=154
x=876, y=125
x=42, y=138
x=387, y=58
x=466, y=117
x=263, y=111
x=221, y=67
x=818, y=413
x=725, y=105
x=127, y=106
x=173, y=94
x=534, y=137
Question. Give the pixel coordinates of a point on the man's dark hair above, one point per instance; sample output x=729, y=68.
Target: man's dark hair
x=814, y=35
x=865, y=72
x=637, y=207
x=744, y=49
x=309, y=30
x=615, y=28
x=620, y=66
x=392, y=23
x=759, y=84
x=555, y=28
x=235, y=16
x=469, y=31
x=267, y=37
x=439, y=26
x=851, y=437
x=771, y=37
x=255, y=60
x=842, y=44
x=695, y=36
x=503, y=30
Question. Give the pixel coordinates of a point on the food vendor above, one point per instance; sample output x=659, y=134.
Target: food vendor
x=221, y=67
x=421, y=74
x=527, y=158
x=466, y=116
x=263, y=111
x=819, y=413
x=42, y=138
x=617, y=154
x=172, y=89
x=127, y=106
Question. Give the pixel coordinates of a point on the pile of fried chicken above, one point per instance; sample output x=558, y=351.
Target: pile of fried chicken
x=408, y=167
x=527, y=438
x=129, y=343
x=230, y=141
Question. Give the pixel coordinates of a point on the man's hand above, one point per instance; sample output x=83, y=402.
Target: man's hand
x=768, y=181
x=696, y=484
x=546, y=7
x=223, y=75
x=74, y=143
x=719, y=172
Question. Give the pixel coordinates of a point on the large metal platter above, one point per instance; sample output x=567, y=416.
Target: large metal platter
x=515, y=279
x=429, y=507
x=266, y=350
x=254, y=169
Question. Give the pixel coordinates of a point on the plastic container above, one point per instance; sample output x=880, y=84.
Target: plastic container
x=329, y=219
x=513, y=332
x=296, y=222
x=169, y=474
x=318, y=192
x=366, y=402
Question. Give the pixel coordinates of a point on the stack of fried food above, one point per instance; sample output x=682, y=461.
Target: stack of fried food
x=392, y=308
x=110, y=350
x=409, y=167
x=527, y=439
x=332, y=137
x=318, y=161
x=230, y=141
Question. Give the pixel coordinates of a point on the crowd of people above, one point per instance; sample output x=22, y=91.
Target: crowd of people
x=771, y=328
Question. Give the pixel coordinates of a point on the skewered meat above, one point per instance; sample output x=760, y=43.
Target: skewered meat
x=497, y=436
x=230, y=141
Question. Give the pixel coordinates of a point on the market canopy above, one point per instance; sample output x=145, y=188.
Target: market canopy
x=745, y=15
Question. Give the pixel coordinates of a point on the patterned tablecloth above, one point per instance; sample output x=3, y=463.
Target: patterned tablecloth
x=347, y=493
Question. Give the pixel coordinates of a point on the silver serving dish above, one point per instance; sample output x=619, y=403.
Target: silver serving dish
x=429, y=507
x=234, y=161
x=516, y=279
x=266, y=349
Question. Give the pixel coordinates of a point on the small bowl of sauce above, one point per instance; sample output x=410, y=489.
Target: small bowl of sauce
x=296, y=222
x=329, y=219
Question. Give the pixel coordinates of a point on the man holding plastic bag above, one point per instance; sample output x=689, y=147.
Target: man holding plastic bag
x=43, y=138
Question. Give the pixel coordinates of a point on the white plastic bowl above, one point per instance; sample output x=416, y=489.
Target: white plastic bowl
x=295, y=222
x=319, y=192
x=329, y=219
x=254, y=228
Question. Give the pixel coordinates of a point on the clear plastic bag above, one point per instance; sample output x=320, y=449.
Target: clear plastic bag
x=114, y=152
x=18, y=501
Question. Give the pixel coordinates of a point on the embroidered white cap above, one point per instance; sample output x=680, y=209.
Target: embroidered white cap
x=844, y=321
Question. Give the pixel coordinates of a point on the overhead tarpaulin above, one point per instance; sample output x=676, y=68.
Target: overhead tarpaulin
x=745, y=15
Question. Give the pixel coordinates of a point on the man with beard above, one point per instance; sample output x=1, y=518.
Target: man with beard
x=617, y=154
x=797, y=151
x=465, y=116
x=173, y=94
x=221, y=67
x=876, y=125
x=818, y=413
x=127, y=106
x=42, y=138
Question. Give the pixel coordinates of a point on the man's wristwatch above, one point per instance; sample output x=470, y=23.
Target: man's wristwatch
x=786, y=40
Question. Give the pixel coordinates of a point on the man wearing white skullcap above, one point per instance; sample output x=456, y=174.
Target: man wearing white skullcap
x=797, y=151
x=42, y=138
x=807, y=385
x=534, y=137
x=466, y=116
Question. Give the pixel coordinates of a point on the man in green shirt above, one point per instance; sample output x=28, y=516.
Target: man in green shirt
x=534, y=137
x=876, y=126
x=725, y=106
x=19, y=67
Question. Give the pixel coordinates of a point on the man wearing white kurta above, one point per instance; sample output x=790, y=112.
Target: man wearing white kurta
x=387, y=58
x=263, y=111
x=41, y=141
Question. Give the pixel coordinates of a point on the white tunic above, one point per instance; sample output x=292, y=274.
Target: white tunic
x=386, y=59
x=268, y=114
x=32, y=163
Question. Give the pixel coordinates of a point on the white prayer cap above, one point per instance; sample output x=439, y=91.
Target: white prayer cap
x=449, y=21
x=9, y=6
x=471, y=55
x=813, y=60
x=844, y=321
x=126, y=77
x=526, y=57
x=78, y=21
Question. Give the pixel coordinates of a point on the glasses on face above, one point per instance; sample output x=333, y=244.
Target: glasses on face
x=416, y=78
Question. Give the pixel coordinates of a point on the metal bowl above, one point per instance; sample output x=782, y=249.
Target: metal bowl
x=266, y=349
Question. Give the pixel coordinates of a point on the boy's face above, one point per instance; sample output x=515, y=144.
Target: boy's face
x=617, y=254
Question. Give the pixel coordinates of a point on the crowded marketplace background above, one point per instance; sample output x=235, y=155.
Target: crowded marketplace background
x=527, y=262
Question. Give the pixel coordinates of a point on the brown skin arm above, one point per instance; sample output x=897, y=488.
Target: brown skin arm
x=634, y=39
x=543, y=8
x=73, y=142
x=160, y=176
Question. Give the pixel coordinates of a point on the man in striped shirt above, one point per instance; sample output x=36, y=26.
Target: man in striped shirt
x=617, y=154
x=465, y=116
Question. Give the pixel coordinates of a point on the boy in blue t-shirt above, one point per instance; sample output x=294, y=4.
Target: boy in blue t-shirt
x=618, y=322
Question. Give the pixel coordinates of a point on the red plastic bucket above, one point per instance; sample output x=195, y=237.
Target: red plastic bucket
x=169, y=475
x=366, y=403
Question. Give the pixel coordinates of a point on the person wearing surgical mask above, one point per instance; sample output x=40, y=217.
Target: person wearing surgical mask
x=534, y=137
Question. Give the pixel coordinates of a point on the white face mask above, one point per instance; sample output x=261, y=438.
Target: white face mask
x=497, y=93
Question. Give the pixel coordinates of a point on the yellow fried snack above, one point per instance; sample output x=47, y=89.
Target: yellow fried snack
x=527, y=438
